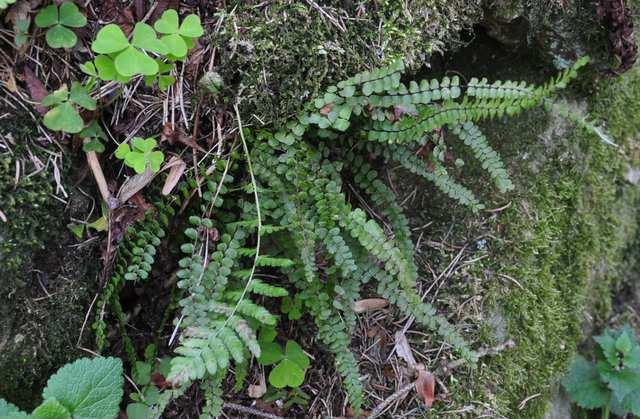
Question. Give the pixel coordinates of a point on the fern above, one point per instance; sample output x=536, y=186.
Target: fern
x=314, y=236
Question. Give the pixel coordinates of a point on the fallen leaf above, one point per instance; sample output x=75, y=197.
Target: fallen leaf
x=425, y=385
x=173, y=136
x=160, y=381
x=177, y=168
x=256, y=391
x=403, y=349
x=36, y=89
x=135, y=184
x=3, y=217
x=326, y=109
x=369, y=304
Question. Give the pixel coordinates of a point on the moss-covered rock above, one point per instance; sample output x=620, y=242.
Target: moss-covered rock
x=46, y=284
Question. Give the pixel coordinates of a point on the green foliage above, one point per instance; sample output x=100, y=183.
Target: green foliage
x=120, y=59
x=141, y=155
x=59, y=19
x=290, y=364
x=312, y=235
x=84, y=389
x=613, y=381
x=93, y=136
x=64, y=115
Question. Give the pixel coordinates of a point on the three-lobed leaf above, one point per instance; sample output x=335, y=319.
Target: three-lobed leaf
x=88, y=388
x=141, y=155
x=291, y=364
x=178, y=38
x=58, y=20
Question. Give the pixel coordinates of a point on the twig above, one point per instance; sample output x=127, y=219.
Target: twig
x=250, y=411
x=401, y=393
x=96, y=169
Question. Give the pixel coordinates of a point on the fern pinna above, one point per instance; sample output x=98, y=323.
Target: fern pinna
x=323, y=246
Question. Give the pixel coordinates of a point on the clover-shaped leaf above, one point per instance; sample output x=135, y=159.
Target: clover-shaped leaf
x=128, y=58
x=291, y=364
x=164, y=77
x=64, y=116
x=178, y=38
x=58, y=20
x=141, y=155
x=92, y=135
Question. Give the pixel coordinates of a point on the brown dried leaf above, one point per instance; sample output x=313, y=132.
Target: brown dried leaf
x=425, y=385
x=36, y=89
x=326, y=109
x=177, y=168
x=403, y=349
x=369, y=304
x=256, y=391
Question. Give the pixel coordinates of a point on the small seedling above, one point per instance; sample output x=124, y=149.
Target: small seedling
x=93, y=136
x=86, y=388
x=290, y=364
x=64, y=115
x=127, y=59
x=178, y=38
x=59, y=20
x=612, y=383
x=141, y=155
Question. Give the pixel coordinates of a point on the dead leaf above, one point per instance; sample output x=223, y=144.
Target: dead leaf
x=161, y=6
x=160, y=381
x=403, y=349
x=256, y=391
x=425, y=385
x=369, y=304
x=326, y=109
x=10, y=82
x=135, y=184
x=173, y=136
x=36, y=89
x=177, y=168
x=3, y=217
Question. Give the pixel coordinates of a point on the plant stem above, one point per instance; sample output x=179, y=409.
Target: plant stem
x=605, y=411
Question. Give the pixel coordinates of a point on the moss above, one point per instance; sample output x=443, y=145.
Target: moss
x=45, y=286
x=277, y=55
x=562, y=239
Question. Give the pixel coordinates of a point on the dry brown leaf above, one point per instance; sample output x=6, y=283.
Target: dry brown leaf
x=369, y=304
x=36, y=89
x=176, y=169
x=326, y=109
x=425, y=385
x=403, y=349
x=135, y=184
x=10, y=82
x=256, y=391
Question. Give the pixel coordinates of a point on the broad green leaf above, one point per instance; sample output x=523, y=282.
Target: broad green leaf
x=109, y=40
x=106, y=68
x=88, y=388
x=47, y=16
x=621, y=382
x=270, y=354
x=286, y=373
x=64, y=117
x=623, y=343
x=267, y=334
x=89, y=68
x=122, y=151
x=608, y=346
x=165, y=81
x=145, y=145
x=168, y=22
x=191, y=27
x=175, y=45
x=632, y=359
x=81, y=97
x=584, y=386
x=10, y=411
x=136, y=161
x=58, y=96
x=144, y=37
x=139, y=411
x=60, y=37
x=155, y=160
x=70, y=15
x=142, y=373
x=51, y=409
x=295, y=353
x=131, y=62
